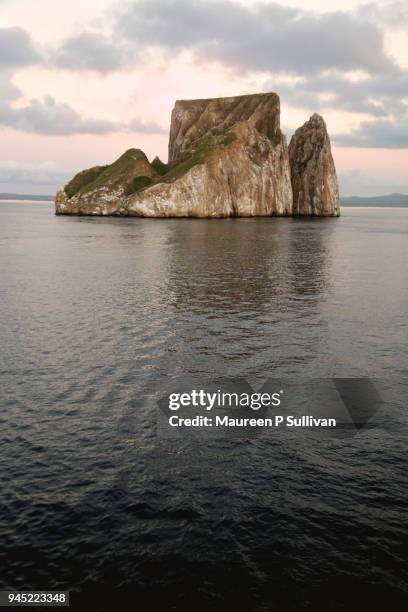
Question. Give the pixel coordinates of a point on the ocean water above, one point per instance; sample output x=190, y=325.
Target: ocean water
x=98, y=315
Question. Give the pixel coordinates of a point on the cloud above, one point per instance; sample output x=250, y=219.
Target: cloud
x=17, y=49
x=393, y=15
x=8, y=91
x=319, y=49
x=142, y=127
x=47, y=116
x=88, y=51
x=56, y=119
x=377, y=96
x=42, y=173
x=83, y=52
x=50, y=117
x=384, y=133
x=353, y=181
x=263, y=37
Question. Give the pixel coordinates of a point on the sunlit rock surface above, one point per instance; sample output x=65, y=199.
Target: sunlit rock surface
x=314, y=180
x=227, y=157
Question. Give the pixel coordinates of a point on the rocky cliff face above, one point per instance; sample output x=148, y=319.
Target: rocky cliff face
x=314, y=180
x=193, y=119
x=241, y=174
x=98, y=190
x=227, y=157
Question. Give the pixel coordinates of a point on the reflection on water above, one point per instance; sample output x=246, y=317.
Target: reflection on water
x=246, y=285
x=244, y=267
x=99, y=315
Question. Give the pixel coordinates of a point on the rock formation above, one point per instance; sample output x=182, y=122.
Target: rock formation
x=193, y=119
x=314, y=180
x=227, y=157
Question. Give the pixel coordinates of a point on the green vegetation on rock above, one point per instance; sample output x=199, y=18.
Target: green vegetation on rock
x=99, y=176
x=160, y=166
x=120, y=165
x=122, y=171
x=138, y=183
x=197, y=154
x=83, y=178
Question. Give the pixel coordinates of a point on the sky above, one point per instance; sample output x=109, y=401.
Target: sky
x=81, y=82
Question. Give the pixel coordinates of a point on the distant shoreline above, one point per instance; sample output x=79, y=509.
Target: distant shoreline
x=26, y=197
x=392, y=200
x=395, y=200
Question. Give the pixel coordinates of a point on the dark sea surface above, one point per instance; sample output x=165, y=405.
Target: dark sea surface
x=98, y=315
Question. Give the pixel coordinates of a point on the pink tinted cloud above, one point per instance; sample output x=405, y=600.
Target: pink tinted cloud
x=391, y=164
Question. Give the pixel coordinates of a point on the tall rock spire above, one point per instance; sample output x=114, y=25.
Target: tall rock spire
x=313, y=174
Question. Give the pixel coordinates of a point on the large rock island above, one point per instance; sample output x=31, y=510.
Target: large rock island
x=227, y=158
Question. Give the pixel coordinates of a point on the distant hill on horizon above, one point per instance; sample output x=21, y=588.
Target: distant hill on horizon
x=26, y=196
x=399, y=200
